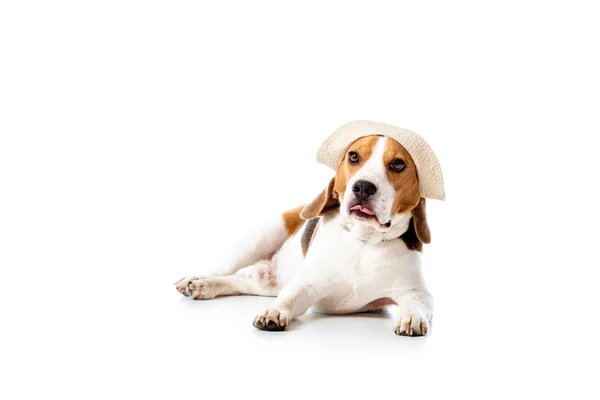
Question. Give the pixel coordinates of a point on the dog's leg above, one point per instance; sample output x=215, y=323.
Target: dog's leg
x=260, y=281
x=263, y=243
x=414, y=314
x=292, y=302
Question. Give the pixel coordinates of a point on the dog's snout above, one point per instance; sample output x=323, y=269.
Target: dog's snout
x=363, y=189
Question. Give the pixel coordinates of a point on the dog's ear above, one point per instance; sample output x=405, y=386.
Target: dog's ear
x=420, y=222
x=325, y=203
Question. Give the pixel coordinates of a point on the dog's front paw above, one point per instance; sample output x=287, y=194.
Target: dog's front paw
x=272, y=320
x=412, y=325
x=198, y=288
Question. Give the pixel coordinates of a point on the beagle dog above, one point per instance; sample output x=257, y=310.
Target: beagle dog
x=355, y=248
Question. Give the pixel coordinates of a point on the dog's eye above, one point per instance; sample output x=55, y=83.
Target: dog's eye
x=397, y=165
x=353, y=157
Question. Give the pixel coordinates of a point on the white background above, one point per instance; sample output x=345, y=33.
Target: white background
x=139, y=138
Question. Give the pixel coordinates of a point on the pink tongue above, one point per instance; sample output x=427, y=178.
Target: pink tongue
x=363, y=209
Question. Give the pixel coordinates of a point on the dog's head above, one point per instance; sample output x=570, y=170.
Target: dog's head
x=376, y=184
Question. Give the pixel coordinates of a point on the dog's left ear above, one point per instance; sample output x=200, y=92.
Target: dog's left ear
x=420, y=221
x=325, y=203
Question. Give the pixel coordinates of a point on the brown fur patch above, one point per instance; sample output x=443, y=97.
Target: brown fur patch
x=420, y=220
x=292, y=220
x=308, y=234
x=325, y=203
x=405, y=182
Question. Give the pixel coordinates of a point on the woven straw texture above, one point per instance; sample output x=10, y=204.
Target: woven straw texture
x=431, y=182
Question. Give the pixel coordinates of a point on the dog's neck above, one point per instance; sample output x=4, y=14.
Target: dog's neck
x=369, y=234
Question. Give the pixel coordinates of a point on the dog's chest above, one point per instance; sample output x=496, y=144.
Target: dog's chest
x=369, y=269
x=361, y=271
x=361, y=274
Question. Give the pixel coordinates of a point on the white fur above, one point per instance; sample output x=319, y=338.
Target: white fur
x=350, y=264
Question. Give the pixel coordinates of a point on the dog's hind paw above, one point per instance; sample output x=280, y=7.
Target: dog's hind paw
x=199, y=288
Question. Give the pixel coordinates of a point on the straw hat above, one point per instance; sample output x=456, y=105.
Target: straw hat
x=429, y=172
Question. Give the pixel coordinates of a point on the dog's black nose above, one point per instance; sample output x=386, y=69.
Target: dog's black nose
x=363, y=189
